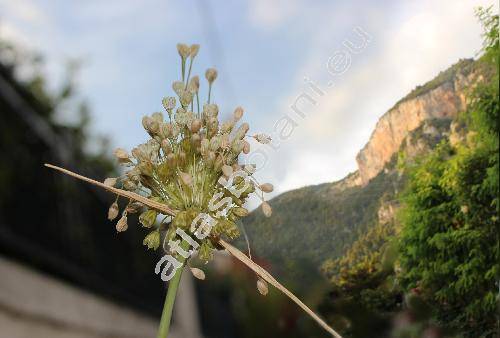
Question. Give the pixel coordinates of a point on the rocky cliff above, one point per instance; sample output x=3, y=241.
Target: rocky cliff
x=441, y=98
x=342, y=211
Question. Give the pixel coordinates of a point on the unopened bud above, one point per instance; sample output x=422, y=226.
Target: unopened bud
x=152, y=240
x=168, y=103
x=266, y=187
x=166, y=147
x=183, y=50
x=158, y=117
x=122, y=225
x=195, y=125
x=205, y=146
x=194, y=84
x=195, y=139
x=178, y=87
x=122, y=155
x=238, y=114
x=250, y=168
x=215, y=143
x=211, y=75
x=113, y=211
x=150, y=125
x=246, y=147
x=110, y=181
x=266, y=209
x=237, y=146
x=241, y=132
x=133, y=207
x=227, y=170
x=240, y=211
x=226, y=127
x=186, y=178
x=262, y=138
x=186, y=97
x=198, y=273
x=262, y=287
x=193, y=50
x=148, y=218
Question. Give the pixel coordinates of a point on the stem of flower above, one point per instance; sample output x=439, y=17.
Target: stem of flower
x=168, y=306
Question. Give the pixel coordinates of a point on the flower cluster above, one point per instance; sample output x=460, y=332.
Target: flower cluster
x=185, y=163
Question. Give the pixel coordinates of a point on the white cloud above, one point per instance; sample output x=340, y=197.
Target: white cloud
x=269, y=14
x=427, y=37
x=24, y=10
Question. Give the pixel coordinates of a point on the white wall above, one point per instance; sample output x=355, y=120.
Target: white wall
x=37, y=305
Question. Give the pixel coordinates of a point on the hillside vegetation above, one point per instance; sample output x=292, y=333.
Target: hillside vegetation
x=414, y=252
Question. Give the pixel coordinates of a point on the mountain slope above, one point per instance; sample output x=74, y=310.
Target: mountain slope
x=314, y=223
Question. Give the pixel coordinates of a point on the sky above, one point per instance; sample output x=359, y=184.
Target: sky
x=353, y=59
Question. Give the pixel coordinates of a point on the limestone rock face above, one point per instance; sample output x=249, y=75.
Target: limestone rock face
x=443, y=102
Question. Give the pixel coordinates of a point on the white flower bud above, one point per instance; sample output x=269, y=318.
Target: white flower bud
x=186, y=97
x=262, y=287
x=195, y=139
x=158, y=117
x=266, y=187
x=227, y=170
x=122, y=155
x=250, y=168
x=262, y=138
x=205, y=146
x=113, y=211
x=238, y=114
x=183, y=50
x=237, y=146
x=178, y=87
x=215, y=143
x=246, y=147
x=266, y=209
x=166, y=147
x=227, y=126
x=165, y=130
x=122, y=223
x=168, y=103
x=110, y=181
x=193, y=50
x=186, y=178
x=211, y=75
x=194, y=84
x=240, y=211
x=195, y=125
x=198, y=273
x=210, y=110
x=241, y=131
x=150, y=125
x=225, y=141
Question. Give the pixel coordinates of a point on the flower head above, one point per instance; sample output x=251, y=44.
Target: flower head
x=185, y=163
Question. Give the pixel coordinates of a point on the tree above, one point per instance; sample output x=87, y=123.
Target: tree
x=449, y=242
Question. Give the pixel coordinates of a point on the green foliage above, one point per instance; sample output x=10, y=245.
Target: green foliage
x=449, y=241
x=337, y=216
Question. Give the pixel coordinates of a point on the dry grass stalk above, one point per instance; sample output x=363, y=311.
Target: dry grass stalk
x=229, y=248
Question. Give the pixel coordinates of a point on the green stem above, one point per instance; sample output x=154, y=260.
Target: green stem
x=173, y=285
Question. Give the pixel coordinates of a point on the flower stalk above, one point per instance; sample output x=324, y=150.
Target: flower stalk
x=190, y=170
x=168, y=306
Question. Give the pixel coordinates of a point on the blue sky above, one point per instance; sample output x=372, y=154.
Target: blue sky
x=263, y=51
